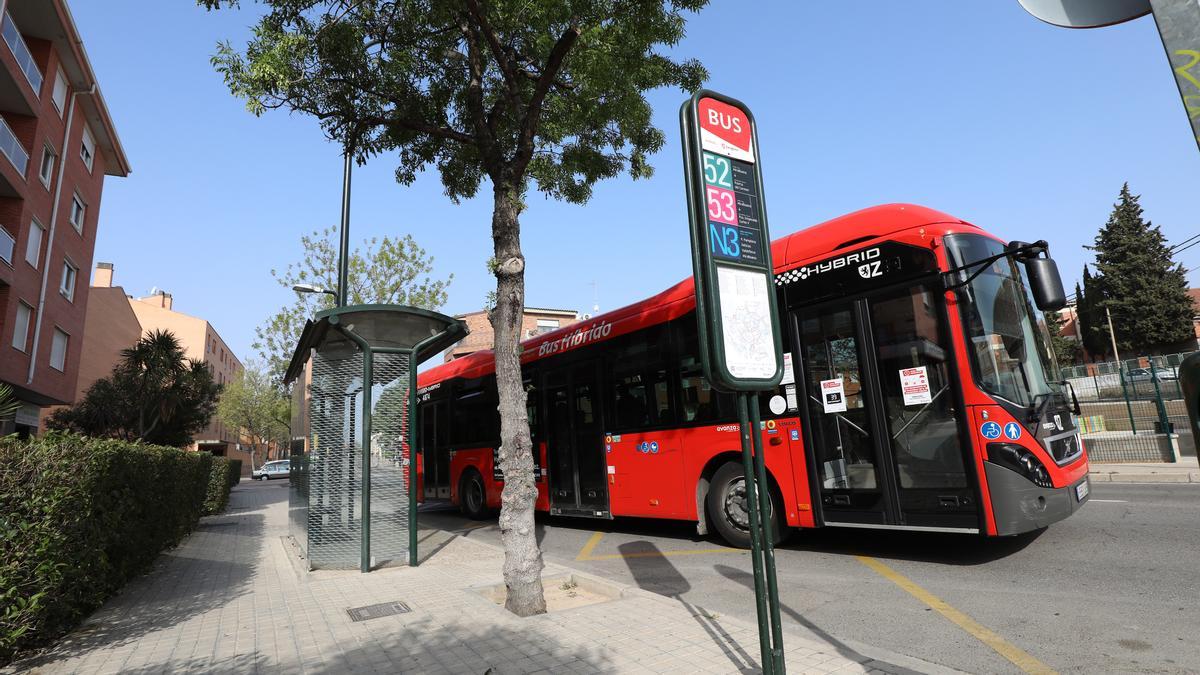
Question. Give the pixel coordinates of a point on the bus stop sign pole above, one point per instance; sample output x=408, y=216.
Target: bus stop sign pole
x=736, y=313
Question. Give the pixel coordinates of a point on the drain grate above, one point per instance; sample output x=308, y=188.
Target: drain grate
x=378, y=611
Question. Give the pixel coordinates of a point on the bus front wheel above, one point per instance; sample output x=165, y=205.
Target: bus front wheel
x=726, y=504
x=472, y=497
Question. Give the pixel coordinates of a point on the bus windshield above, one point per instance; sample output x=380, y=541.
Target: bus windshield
x=1006, y=335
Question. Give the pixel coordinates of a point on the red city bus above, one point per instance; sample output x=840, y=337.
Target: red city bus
x=918, y=394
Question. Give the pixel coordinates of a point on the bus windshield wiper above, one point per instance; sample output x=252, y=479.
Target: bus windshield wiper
x=1040, y=409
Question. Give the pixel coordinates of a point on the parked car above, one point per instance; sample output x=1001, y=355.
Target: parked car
x=1145, y=375
x=277, y=469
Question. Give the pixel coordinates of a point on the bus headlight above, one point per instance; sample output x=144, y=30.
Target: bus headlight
x=1024, y=462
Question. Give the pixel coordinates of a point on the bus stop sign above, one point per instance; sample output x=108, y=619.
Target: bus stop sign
x=731, y=247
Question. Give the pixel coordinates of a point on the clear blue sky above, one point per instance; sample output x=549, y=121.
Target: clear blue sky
x=974, y=108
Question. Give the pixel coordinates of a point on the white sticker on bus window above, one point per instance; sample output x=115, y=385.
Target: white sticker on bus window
x=778, y=404
x=833, y=395
x=788, y=376
x=914, y=384
x=790, y=392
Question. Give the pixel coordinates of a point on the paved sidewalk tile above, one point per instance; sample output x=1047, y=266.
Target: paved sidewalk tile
x=233, y=599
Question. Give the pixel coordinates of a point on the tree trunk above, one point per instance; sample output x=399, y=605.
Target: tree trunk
x=522, y=557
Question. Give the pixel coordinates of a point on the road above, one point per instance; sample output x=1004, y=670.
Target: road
x=1112, y=589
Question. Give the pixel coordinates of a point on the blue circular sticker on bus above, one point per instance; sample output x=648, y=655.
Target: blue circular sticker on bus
x=990, y=429
x=1012, y=430
x=654, y=447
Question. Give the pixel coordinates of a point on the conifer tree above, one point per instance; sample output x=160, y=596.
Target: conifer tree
x=1145, y=290
x=1066, y=348
x=1090, y=309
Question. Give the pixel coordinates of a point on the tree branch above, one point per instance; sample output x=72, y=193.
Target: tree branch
x=533, y=115
x=503, y=60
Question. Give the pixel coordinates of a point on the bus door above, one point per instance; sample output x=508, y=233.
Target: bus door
x=576, y=459
x=435, y=459
x=885, y=427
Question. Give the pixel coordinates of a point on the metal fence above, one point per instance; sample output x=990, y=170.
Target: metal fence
x=1136, y=395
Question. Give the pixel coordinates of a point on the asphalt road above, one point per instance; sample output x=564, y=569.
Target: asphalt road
x=1115, y=588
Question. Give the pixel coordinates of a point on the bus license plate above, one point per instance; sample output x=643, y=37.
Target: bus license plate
x=1082, y=490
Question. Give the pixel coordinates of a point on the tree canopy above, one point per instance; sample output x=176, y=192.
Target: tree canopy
x=252, y=404
x=1141, y=285
x=388, y=271
x=154, y=394
x=549, y=94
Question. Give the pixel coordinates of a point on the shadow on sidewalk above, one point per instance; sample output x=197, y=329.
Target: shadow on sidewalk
x=653, y=572
x=211, y=568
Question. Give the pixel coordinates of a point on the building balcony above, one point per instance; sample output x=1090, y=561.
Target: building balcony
x=17, y=158
x=20, y=52
x=19, y=74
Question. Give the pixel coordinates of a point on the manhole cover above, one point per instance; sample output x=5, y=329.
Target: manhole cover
x=378, y=611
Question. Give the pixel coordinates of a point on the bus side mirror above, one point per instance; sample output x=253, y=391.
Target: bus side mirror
x=1046, y=284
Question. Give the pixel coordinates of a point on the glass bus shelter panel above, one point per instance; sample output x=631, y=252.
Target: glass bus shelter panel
x=299, y=472
x=333, y=532
x=389, y=460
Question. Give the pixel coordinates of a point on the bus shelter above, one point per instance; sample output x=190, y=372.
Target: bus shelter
x=353, y=498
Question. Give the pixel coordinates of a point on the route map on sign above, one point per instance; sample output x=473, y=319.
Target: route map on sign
x=730, y=189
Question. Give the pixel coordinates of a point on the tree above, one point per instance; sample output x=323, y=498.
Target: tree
x=1093, y=324
x=1066, y=349
x=9, y=405
x=389, y=271
x=548, y=94
x=154, y=394
x=1144, y=289
x=252, y=404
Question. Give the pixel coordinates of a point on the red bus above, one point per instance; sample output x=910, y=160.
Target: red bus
x=918, y=394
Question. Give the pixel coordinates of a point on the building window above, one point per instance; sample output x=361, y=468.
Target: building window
x=21, y=327
x=546, y=325
x=46, y=171
x=60, y=92
x=87, y=148
x=58, y=350
x=7, y=245
x=33, y=247
x=78, y=212
x=67, y=288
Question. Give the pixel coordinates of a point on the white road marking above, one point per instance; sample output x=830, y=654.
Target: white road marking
x=1110, y=501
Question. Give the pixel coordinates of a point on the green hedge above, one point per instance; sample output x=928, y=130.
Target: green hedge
x=220, y=480
x=78, y=518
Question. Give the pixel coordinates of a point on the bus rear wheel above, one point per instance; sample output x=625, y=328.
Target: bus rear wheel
x=727, y=509
x=472, y=497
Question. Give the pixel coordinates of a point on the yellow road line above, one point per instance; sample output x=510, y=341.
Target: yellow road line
x=1016, y=655
x=586, y=552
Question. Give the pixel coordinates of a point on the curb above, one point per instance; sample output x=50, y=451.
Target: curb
x=868, y=656
x=1150, y=477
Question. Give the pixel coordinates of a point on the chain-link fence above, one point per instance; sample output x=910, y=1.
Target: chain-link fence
x=1128, y=406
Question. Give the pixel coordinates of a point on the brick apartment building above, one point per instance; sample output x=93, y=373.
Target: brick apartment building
x=57, y=143
x=116, y=321
x=534, y=321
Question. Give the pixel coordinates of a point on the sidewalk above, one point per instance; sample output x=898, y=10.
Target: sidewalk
x=1185, y=471
x=233, y=598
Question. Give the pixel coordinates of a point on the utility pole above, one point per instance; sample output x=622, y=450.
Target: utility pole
x=1112, y=336
x=343, y=290
x=1120, y=371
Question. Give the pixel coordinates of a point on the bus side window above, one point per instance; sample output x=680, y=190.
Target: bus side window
x=698, y=401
